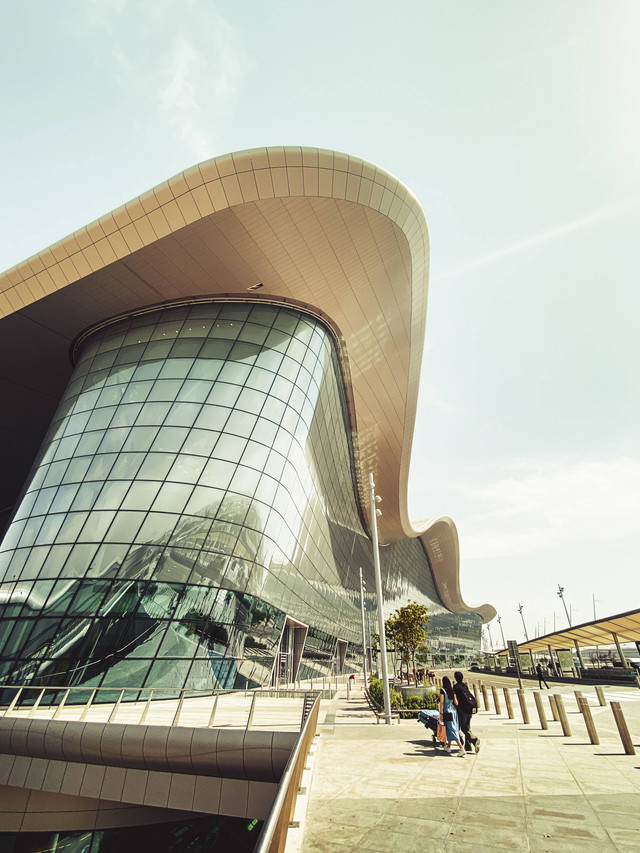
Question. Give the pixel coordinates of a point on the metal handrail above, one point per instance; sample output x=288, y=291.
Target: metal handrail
x=181, y=694
x=290, y=780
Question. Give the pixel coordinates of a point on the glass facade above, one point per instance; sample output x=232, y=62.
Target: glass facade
x=214, y=834
x=193, y=500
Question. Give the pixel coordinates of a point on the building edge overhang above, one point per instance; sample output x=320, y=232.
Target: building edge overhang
x=439, y=538
x=253, y=177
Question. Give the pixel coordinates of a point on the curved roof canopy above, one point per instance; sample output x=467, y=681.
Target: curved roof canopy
x=328, y=232
x=601, y=632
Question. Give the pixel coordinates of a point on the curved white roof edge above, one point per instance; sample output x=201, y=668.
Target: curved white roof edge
x=317, y=227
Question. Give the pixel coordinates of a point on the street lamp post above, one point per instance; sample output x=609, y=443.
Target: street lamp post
x=526, y=636
x=560, y=593
x=364, y=635
x=504, y=642
x=376, y=565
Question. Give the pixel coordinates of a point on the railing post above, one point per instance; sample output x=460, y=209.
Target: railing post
x=600, y=695
x=554, y=708
x=213, y=711
x=145, y=713
x=485, y=698
x=113, y=713
x=523, y=707
x=58, y=710
x=507, y=700
x=585, y=710
x=14, y=702
x=179, y=708
x=543, y=720
x=83, y=715
x=623, y=731
x=251, y=711
x=496, y=701
x=36, y=703
x=564, y=722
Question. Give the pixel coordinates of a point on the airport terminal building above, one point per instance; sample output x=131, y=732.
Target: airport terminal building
x=197, y=387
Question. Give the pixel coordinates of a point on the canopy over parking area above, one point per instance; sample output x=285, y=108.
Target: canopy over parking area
x=623, y=628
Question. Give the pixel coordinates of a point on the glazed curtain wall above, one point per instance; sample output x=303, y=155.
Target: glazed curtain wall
x=196, y=486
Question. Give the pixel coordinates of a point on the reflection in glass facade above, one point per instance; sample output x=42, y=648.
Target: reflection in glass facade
x=215, y=834
x=193, y=508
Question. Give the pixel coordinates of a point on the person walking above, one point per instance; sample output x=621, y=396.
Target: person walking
x=467, y=707
x=449, y=717
x=541, y=677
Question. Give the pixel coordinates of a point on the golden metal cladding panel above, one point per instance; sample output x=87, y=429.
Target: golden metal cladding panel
x=325, y=230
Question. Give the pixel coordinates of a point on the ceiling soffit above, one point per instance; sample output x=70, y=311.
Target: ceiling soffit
x=318, y=227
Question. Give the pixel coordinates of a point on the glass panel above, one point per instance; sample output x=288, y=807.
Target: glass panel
x=125, y=526
x=218, y=473
x=157, y=527
x=156, y=466
x=170, y=439
x=172, y=497
x=55, y=561
x=141, y=495
x=187, y=469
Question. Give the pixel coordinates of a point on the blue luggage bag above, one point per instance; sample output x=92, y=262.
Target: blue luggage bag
x=429, y=719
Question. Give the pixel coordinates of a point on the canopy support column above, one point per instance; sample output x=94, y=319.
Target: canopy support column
x=619, y=647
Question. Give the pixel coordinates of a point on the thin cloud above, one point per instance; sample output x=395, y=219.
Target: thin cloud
x=193, y=82
x=101, y=13
x=534, y=506
x=178, y=98
x=604, y=213
x=543, y=505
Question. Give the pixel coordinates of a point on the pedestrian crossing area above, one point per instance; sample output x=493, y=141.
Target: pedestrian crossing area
x=622, y=696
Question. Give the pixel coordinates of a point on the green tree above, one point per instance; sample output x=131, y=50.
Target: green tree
x=407, y=629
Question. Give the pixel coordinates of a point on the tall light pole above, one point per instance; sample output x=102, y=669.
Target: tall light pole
x=364, y=635
x=560, y=593
x=375, y=512
x=504, y=642
x=526, y=636
x=490, y=637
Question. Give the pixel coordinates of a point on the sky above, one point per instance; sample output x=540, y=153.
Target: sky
x=517, y=126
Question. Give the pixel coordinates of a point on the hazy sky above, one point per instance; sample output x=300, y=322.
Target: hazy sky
x=517, y=126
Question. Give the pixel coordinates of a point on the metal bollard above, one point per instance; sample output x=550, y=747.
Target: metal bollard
x=496, y=701
x=623, y=731
x=539, y=707
x=585, y=710
x=523, y=707
x=600, y=695
x=564, y=722
x=485, y=698
x=554, y=708
x=507, y=699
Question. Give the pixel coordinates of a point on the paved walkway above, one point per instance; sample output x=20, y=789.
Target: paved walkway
x=387, y=788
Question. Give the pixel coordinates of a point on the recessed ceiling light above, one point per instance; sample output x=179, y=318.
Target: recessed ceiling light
x=256, y=286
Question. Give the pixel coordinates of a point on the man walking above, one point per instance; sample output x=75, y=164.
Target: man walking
x=467, y=706
x=541, y=677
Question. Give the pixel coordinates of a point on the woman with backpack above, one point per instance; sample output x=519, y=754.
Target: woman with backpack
x=449, y=717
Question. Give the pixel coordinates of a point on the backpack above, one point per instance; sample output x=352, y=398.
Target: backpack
x=466, y=699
